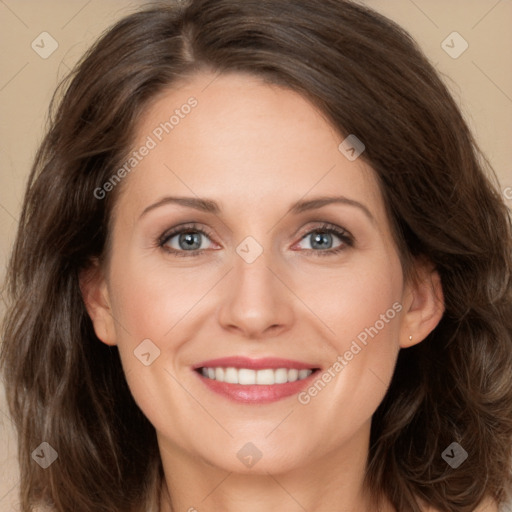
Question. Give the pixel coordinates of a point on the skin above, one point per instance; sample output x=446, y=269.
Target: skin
x=255, y=149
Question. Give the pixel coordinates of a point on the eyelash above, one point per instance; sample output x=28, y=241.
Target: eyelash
x=326, y=228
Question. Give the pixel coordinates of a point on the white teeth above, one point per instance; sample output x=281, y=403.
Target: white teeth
x=293, y=375
x=281, y=376
x=265, y=377
x=303, y=374
x=247, y=377
x=230, y=375
x=219, y=374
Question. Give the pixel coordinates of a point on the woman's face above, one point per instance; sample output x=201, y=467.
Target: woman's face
x=285, y=265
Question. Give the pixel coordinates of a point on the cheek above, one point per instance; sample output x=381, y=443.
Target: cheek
x=362, y=307
x=360, y=298
x=150, y=304
x=150, y=300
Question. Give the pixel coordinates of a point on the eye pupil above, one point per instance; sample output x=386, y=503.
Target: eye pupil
x=192, y=240
x=320, y=241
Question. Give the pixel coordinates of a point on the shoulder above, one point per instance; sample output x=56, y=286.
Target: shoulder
x=488, y=505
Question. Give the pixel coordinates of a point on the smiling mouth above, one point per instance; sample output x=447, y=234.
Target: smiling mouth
x=250, y=377
x=249, y=380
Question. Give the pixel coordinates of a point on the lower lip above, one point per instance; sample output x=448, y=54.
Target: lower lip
x=257, y=393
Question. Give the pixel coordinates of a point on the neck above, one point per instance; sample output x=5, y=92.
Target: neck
x=333, y=481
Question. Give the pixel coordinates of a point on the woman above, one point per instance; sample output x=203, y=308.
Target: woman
x=260, y=265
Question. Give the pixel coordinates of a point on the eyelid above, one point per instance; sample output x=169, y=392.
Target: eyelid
x=324, y=226
x=178, y=230
x=347, y=239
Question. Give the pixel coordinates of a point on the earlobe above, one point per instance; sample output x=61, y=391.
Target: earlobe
x=95, y=295
x=425, y=306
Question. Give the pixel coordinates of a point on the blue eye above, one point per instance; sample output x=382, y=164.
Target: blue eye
x=188, y=240
x=321, y=240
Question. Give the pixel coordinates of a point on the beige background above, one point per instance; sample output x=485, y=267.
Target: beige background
x=480, y=79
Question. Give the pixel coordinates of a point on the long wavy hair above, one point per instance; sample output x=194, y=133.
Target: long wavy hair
x=368, y=77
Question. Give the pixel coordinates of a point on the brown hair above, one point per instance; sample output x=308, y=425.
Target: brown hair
x=368, y=77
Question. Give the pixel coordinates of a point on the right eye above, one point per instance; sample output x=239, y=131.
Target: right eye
x=184, y=241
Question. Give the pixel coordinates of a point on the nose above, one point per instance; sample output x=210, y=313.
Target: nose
x=256, y=303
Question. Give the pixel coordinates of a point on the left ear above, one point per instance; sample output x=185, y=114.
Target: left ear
x=423, y=304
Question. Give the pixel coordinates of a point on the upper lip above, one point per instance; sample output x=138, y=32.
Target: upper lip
x=254, y=364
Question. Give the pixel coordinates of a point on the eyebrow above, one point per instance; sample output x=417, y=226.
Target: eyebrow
x=210, y=206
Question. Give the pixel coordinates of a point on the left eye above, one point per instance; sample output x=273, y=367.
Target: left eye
x=322, y=238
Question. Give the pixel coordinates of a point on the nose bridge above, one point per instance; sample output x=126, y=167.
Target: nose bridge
x=251, y=272
x=252, y=279
x=255, y=299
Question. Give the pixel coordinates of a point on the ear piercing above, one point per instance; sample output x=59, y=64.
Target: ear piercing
x=410, y=338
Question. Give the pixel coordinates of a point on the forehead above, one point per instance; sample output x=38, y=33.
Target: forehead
x=244, y=142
